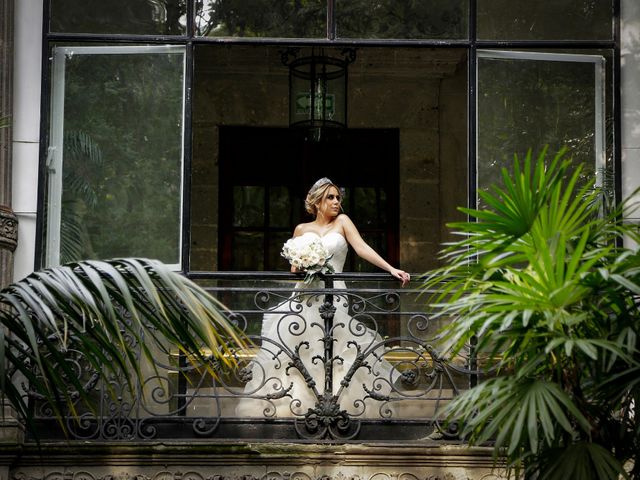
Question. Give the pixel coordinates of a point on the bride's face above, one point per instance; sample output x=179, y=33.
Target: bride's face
x=329, y=206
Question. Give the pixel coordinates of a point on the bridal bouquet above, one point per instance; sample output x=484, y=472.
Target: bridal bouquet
x=307, y=253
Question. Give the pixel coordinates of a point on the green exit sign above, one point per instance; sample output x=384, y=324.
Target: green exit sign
x=303, y=104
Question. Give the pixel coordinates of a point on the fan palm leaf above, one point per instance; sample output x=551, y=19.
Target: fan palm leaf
x=541, y=286
x=583, y=460
x=84, y=304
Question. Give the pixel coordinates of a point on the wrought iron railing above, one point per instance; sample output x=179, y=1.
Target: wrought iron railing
x=349, y=357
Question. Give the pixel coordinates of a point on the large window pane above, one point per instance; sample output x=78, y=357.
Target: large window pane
x=163, y=17
x=260, y=18
x=536, y=20
x=402, y=159
x=402, y=19
x=532, y=100
x=115, y=155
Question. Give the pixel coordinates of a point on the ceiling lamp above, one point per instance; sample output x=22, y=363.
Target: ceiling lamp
x=318, y=89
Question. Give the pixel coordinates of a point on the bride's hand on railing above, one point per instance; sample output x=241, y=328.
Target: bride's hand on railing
x=401, y=275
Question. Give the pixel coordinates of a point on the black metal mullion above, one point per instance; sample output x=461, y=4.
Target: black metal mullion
x=117, y=38
x=472, y=62
x=187, y=158
x=617, y=105
x=331, y=19
x=191, y=31
x=186, y=188
x=356, y=42
x=45, y=106
x=472, y=146
x=546, y=44
x=341, y=42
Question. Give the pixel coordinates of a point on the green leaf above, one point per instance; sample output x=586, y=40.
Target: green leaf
x=79, y=303
x=582, y=460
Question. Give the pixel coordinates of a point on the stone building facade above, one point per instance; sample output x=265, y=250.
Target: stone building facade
x=420, y=92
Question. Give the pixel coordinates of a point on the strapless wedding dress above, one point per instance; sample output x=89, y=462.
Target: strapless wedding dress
x=287, y=376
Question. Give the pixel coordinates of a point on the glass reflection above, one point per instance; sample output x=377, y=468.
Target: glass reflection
x=260, y=18
x=159, y=17
x=402, y=160
x=394, y=19
x=117, y=169
x=527, y=20
x=525, y=103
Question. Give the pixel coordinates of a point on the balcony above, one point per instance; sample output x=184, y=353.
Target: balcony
x=348, y=358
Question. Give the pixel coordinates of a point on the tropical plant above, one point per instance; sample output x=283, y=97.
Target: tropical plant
x=96, y=308
x=83, y=162
x=541, y=281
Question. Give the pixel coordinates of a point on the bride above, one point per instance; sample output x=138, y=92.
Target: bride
x=287, y=377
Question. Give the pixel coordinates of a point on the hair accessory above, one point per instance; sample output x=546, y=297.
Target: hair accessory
x=323, y=181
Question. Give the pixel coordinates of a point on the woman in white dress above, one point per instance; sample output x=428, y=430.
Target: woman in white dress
x=288, y=376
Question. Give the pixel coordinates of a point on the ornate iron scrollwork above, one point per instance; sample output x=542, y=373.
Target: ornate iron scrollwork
x=329, y=363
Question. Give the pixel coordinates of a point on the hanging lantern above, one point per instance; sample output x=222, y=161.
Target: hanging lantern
x=318, y=89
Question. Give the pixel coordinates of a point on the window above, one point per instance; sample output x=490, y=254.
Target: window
x=114, y=168
x=402, y=157
x=401, y=19
x=527, y=20
x=532, y=99
x=260, y=18
x=152, y=17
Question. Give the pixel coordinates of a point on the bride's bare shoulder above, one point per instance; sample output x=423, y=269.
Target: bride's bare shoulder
x=301, y=229
x=343, y=219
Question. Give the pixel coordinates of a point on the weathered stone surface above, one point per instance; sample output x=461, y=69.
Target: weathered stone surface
x=11, y=429
x=8, y=221
x=255, y=461
x=8, y=229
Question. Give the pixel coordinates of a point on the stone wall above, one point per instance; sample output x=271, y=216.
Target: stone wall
x=256, y=461
x=420, y=92
x=8, y=220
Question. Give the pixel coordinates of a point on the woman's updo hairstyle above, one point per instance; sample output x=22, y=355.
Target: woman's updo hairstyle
x=316, y=194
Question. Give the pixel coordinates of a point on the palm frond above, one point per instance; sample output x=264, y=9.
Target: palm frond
x=84, y=303
x=539, y=281
x=583, y=460
x=516, y=413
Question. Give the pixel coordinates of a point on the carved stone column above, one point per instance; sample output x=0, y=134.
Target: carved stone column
x=8, y=221
x=11, y=429
x=8, y=231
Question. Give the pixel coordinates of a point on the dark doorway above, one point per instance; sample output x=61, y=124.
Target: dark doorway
x=266, y=172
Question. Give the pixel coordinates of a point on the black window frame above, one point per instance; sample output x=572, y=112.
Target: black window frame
x=471, y=44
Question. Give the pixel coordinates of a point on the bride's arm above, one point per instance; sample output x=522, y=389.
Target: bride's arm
x=364, y=251
x=296, y=233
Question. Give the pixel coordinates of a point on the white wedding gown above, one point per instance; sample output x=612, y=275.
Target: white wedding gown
x=287, y=376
